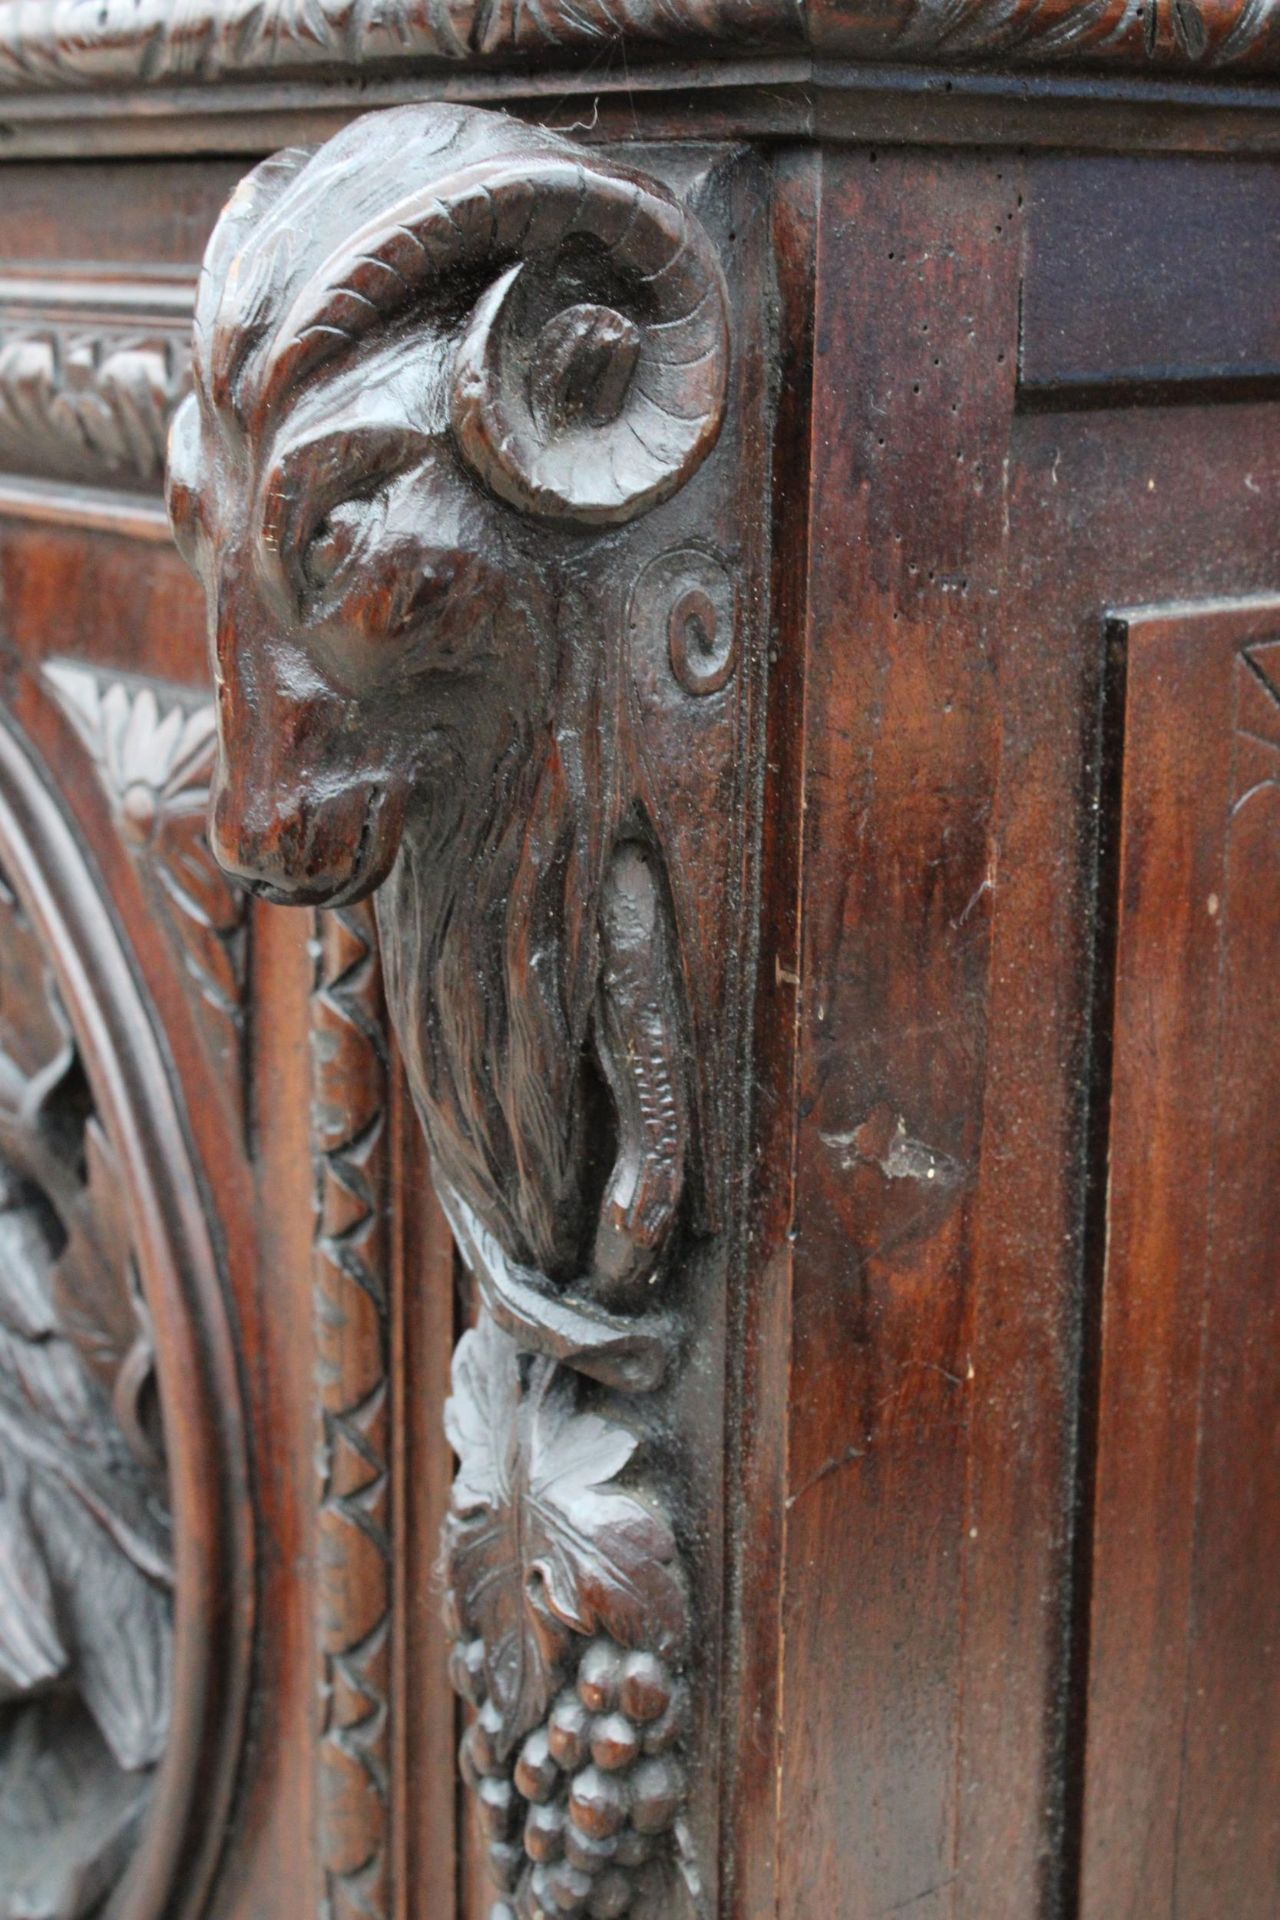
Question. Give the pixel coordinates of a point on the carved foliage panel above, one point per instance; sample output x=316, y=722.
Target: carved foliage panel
x=114, y=1703
x=484, y=527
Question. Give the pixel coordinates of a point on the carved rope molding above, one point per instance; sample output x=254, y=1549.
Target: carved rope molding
x=448, y=371
x=111, y=44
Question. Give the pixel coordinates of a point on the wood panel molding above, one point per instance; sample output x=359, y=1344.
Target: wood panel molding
x=86, y=44
x=1178, y=1679
x=351, y=1266
x=127, y=1591
x=423, y=485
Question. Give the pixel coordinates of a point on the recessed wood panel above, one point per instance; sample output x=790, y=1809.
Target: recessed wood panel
x=1182, y=1765
x=1150, y=282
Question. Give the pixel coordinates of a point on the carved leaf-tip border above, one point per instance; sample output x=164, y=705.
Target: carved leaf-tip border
x=153, y=746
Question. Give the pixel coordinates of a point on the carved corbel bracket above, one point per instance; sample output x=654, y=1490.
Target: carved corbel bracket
x=478, y=638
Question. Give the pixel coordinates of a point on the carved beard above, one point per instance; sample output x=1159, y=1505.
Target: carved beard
x=489, y=925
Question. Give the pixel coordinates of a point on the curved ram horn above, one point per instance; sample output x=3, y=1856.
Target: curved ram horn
x=589, y=381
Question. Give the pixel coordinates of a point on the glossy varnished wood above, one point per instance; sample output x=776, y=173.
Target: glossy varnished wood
x=916, y=932
x=1182, y=1759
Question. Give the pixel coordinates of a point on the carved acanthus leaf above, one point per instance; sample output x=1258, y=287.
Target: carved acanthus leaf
x=153, y=746
x=105, y=43
x=84, y=403
x=542, y=1541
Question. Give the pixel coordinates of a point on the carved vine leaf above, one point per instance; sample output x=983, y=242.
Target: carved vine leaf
x=31, y=1647
x=54, y=1760
x=542, y=1541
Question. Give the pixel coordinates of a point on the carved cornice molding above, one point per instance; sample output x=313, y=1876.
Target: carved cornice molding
x=106, y=45
x=113, y=43
x=1190, y=36
x=458, y=470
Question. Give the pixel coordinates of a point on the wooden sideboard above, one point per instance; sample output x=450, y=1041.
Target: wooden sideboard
x=639, y=1006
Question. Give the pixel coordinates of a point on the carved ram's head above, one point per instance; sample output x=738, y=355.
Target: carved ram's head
x=428, y=357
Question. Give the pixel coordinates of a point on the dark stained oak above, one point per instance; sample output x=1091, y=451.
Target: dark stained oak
x=739, y=606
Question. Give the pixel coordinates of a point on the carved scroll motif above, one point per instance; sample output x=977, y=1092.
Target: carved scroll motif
x=479, y=359
x=353, y=1391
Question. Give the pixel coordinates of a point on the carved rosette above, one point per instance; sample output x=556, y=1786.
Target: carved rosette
x=444, y=367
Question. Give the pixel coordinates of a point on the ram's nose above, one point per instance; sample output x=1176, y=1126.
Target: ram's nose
x=295, y=849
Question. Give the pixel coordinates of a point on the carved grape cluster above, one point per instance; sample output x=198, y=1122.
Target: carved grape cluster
x=582, y=1818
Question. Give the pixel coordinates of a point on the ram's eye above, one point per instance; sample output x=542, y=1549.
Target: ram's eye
x=333, y=542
